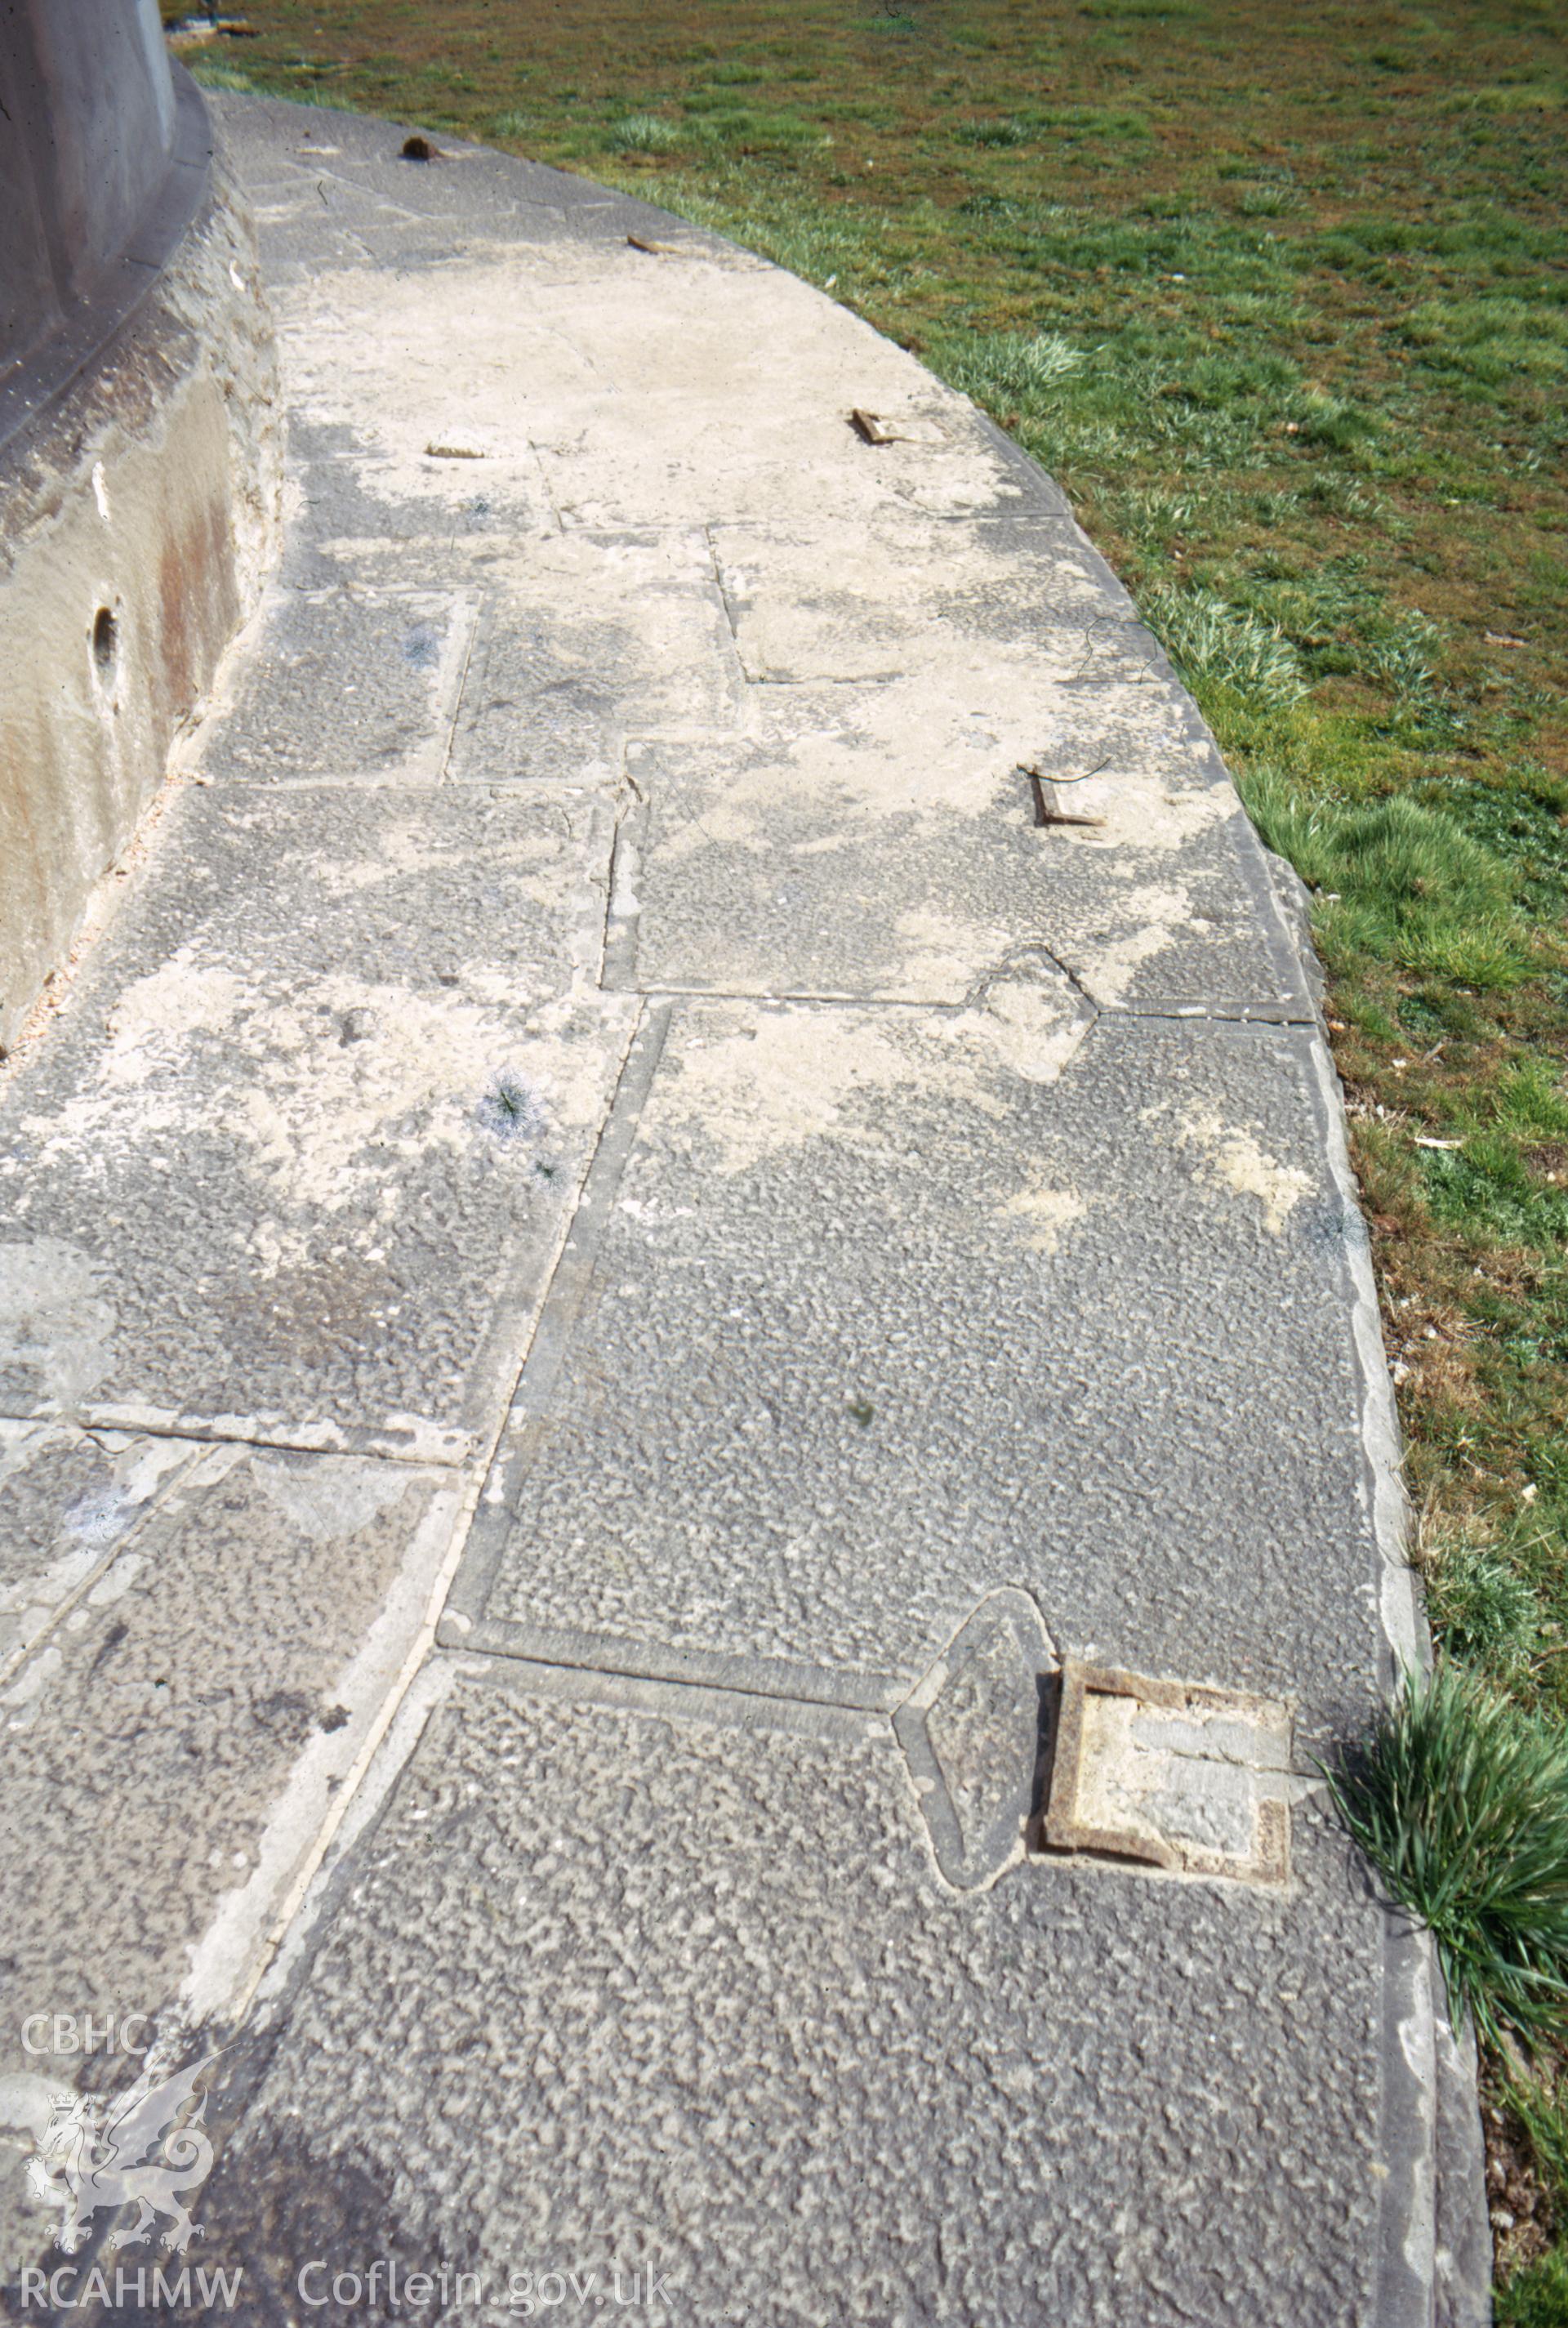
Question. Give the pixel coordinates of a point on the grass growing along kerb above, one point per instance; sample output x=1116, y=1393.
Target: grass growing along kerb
x=1217, y=645
x=1460, y=1800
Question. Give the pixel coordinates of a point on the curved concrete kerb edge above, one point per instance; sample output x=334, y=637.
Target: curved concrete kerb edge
x=672, y=1135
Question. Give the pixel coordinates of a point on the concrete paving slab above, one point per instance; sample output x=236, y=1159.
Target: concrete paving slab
x=861, y=601
x=345, y=682
x=472, y=188
x=700, y=2002
x=356, y=519
x=69, y=1502
x=296, y=1160
x=893, y=1309
x=648, y=407
x=590, y=636
x=882, y=841
x=180, y=1738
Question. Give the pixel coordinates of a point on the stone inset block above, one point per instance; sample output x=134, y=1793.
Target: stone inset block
x=1183, y=1777
x=971, y=1734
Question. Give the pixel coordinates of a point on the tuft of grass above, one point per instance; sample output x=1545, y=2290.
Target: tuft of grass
x=1460, y=1800
x=1400, y=882
x=213, y=75
x=1485, y=1610
x=1537, y=2296
x=642, y=133
x=1214, y=645
x=1006, y=132
x=1013, y=368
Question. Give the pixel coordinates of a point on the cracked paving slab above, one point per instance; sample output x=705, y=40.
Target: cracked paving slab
x=355, y=519
x=343, y=681
x=892, y=1310
x=69, y=1502
x=296, y=1159
x=168, y=1755
x=588, y=639
x=828, y=600
x=882, y=841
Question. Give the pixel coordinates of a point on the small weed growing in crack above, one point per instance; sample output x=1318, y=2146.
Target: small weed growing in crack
x=512, y=1111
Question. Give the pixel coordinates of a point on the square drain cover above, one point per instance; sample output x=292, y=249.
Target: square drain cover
x=1170, y=1773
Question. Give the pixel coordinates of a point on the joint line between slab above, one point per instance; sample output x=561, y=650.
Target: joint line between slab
x=513, y=1645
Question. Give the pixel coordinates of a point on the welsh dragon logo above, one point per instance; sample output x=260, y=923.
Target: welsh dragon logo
x=136, y=2146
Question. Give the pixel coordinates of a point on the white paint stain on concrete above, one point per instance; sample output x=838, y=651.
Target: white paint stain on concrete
x=56, y=1322
x=1236, y=1159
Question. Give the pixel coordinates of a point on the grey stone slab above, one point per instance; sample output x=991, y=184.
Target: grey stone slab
x=484, y=196
x=296, y=1159
x=893, y=1310
x=168, y=1756
x=471, y=188
x=622, y=462
x=587, y=638
x=865, y=600
x=69, y=1500
x=355, y=518
x=343, y=682
x=642, y=1978
x=880, y=841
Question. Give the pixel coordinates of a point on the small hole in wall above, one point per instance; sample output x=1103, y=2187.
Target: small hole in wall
x=105, y=638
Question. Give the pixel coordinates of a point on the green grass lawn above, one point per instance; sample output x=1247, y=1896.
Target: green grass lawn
x=1282, y=299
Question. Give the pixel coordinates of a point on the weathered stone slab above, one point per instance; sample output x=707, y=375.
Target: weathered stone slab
x=827, y=600
x=345, y=682
x=69, y=1502
x=881, y=841
x=698, y=2001
x=895, y=1309
x=296, y=1159
x=590, y=636
x=355, y=517
x=169, y=1754
x=648, y=414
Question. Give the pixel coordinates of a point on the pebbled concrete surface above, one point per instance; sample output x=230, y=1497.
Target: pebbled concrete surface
x=612, y=1210
x=1048, y=1368
x=299, y=1154
x=708, y=2001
